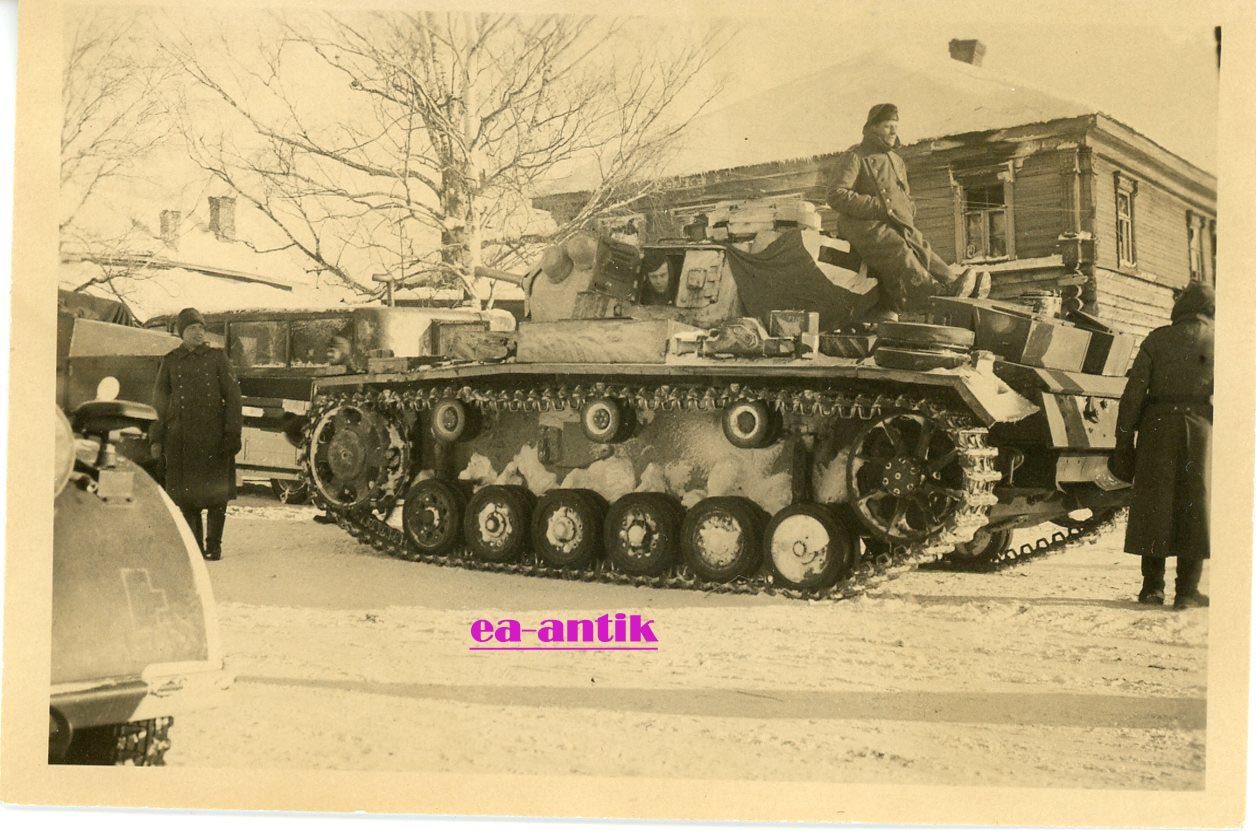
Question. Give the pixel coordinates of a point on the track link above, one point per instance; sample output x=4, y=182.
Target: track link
x=368, y=525
x=1059, y=541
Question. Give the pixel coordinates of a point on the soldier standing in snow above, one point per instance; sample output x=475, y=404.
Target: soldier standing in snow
x=197, y=432
x=867, y=186
x=1167, y=410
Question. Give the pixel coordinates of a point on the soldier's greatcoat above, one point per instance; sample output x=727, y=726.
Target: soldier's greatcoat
x=1166, y=410
x=198, y=425
x=867, y=186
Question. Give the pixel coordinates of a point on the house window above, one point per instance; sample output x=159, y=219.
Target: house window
x=1126, y=191
x=1212, y=242
x=1195, y=245
x=985, y=222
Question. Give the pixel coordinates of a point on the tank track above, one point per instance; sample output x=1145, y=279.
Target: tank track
x=976, y=459
x=134, y=743
x=1059, y=541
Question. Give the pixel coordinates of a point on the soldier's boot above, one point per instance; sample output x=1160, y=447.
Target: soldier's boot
x=972, y=282
x=1186, y=593
x=965, y=284
x=1152, y=593
x=192, y=516
x=213, y=538
x=984, y=282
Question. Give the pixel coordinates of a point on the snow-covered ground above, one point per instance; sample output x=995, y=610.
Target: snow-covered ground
x=1046, y=674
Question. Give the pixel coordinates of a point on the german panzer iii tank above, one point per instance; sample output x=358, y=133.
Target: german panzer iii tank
x=710, y=414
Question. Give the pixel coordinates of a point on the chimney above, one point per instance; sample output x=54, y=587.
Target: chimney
x=222, y=216
x=968, y=51
x=170, y=221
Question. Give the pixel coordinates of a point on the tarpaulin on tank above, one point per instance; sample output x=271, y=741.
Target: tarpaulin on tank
x=805, y=270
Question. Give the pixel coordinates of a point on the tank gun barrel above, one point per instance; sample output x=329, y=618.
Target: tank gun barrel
x=498, y=274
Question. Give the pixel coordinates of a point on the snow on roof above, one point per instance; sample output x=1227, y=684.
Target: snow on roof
x=155, y=291
x=824, y=112
x=201, y=247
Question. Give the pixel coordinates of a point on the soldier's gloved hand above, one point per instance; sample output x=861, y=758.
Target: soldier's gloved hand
x=154, y=450
x=232, y=443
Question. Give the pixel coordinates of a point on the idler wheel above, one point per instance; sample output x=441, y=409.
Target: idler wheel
x=642, y=533
x=986, y=546
x=495, y=526
x=432, y=516
x=722, y=537
x=604, y=420
x=749, y=424
x=904, y=477
x=808, y=547
x=356, y=456
x=567, y=528
x=452, y=420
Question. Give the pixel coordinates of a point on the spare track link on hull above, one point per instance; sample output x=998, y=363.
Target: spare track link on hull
x=1027, y=552
x=976, y=458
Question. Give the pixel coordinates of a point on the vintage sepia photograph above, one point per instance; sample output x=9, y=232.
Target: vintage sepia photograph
x=692, y=411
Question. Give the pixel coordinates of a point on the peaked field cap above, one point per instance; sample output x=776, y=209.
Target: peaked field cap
x=186, y=318
x=881, y=112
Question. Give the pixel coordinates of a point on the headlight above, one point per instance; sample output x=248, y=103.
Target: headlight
x=63, y=451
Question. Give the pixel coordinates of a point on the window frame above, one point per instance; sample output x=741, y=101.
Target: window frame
x=1127, y=226
x=986, y=213
x=1195, y=266
x=985, y=178
x=240, y=365
x=1212, y=245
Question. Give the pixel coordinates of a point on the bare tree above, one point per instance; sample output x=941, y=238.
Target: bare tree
x=112, y=120
x=409, y=145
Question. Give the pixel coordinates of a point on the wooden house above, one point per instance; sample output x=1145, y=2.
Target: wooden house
x=1043, y=191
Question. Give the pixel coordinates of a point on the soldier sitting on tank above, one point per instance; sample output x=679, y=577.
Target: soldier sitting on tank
x=867, y=186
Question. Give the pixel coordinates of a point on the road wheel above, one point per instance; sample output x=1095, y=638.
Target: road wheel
x=721, y=537
x=290, y=491
x=567, y=528
x=808, y=548
x=496, y=523
x=432, y=516
x=642, y=533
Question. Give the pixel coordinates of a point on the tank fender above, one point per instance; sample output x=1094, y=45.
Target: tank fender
x=990, y=398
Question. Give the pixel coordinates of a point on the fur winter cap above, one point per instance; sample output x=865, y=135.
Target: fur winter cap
x=1196, y=299
x=186, y=318
x=881, y=112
